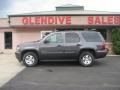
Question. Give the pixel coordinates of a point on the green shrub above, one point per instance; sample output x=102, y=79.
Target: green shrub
x=116, y=40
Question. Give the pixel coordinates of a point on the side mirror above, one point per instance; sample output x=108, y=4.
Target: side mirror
x=46, y=41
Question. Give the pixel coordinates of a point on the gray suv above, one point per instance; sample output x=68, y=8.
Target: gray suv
x=82, y=46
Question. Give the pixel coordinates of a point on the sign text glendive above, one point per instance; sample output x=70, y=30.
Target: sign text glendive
x=46, y=20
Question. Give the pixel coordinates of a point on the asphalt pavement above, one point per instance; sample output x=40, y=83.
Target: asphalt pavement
x=104, y=75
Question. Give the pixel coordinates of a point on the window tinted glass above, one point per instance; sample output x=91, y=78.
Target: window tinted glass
x=72, y=38
x=55, y=38
x=91, y=37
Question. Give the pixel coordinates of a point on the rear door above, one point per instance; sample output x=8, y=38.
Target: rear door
x=71, y=45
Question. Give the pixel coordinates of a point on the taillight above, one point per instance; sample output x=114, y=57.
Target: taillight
x=103, y=46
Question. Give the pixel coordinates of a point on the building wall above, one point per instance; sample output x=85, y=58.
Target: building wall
x=1, y=40
x=21, y=36
x=4, y=22
x=4, y=26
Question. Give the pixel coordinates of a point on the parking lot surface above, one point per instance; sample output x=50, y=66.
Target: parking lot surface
x=104, y=75
x=9, y=67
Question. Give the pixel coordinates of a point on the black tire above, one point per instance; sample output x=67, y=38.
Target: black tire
x=34, y=60
x=83, y=61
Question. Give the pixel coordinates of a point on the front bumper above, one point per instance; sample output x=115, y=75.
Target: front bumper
x=101, y=54
x=18, y=56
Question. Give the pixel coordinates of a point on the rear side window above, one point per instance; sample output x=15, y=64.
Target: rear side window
x=71, y=38
x=91, y=37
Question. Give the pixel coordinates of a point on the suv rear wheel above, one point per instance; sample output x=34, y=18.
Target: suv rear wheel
x=86, y=59
x=30, y=59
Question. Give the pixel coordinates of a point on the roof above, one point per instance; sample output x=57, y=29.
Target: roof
x=75, y=12
x=69, y=5
x=76, y=31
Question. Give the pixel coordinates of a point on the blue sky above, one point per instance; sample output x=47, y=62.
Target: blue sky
x=8, y=7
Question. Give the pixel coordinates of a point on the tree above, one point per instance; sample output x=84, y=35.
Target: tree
x=116, y=40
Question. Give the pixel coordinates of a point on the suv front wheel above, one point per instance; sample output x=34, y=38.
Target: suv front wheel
x=30, y=59
x=86, y=59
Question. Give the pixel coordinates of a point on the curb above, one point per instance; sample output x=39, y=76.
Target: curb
x=113, y=55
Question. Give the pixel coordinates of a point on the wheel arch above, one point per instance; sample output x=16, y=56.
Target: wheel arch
x=88, y=50
x=32, y=50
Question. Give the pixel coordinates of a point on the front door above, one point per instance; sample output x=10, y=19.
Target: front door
x=52, y=47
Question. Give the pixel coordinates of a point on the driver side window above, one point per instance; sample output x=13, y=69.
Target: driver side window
x=55, y=38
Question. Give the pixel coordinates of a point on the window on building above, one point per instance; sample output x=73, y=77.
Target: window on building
x=103, y=33
x=8, y=40
x=72, y=38
x=45, y=33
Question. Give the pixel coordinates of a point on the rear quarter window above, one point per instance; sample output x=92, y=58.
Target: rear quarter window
x=92, y=37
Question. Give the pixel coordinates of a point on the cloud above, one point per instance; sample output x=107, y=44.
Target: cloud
x=25, y=6
x=8, y=7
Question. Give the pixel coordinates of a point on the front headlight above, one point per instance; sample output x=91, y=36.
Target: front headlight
x=17, y=48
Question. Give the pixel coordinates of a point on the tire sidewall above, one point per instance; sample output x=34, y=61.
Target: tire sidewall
x=35, y=59
x=82, y=55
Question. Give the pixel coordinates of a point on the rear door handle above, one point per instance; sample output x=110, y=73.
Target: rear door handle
x=59, y=45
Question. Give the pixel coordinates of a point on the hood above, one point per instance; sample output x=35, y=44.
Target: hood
x=29, y=44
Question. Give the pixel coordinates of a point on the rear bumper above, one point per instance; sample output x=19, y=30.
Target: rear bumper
x=101, y=54
x=18, y=56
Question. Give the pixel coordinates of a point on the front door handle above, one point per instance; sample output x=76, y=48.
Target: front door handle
x=78, y=45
